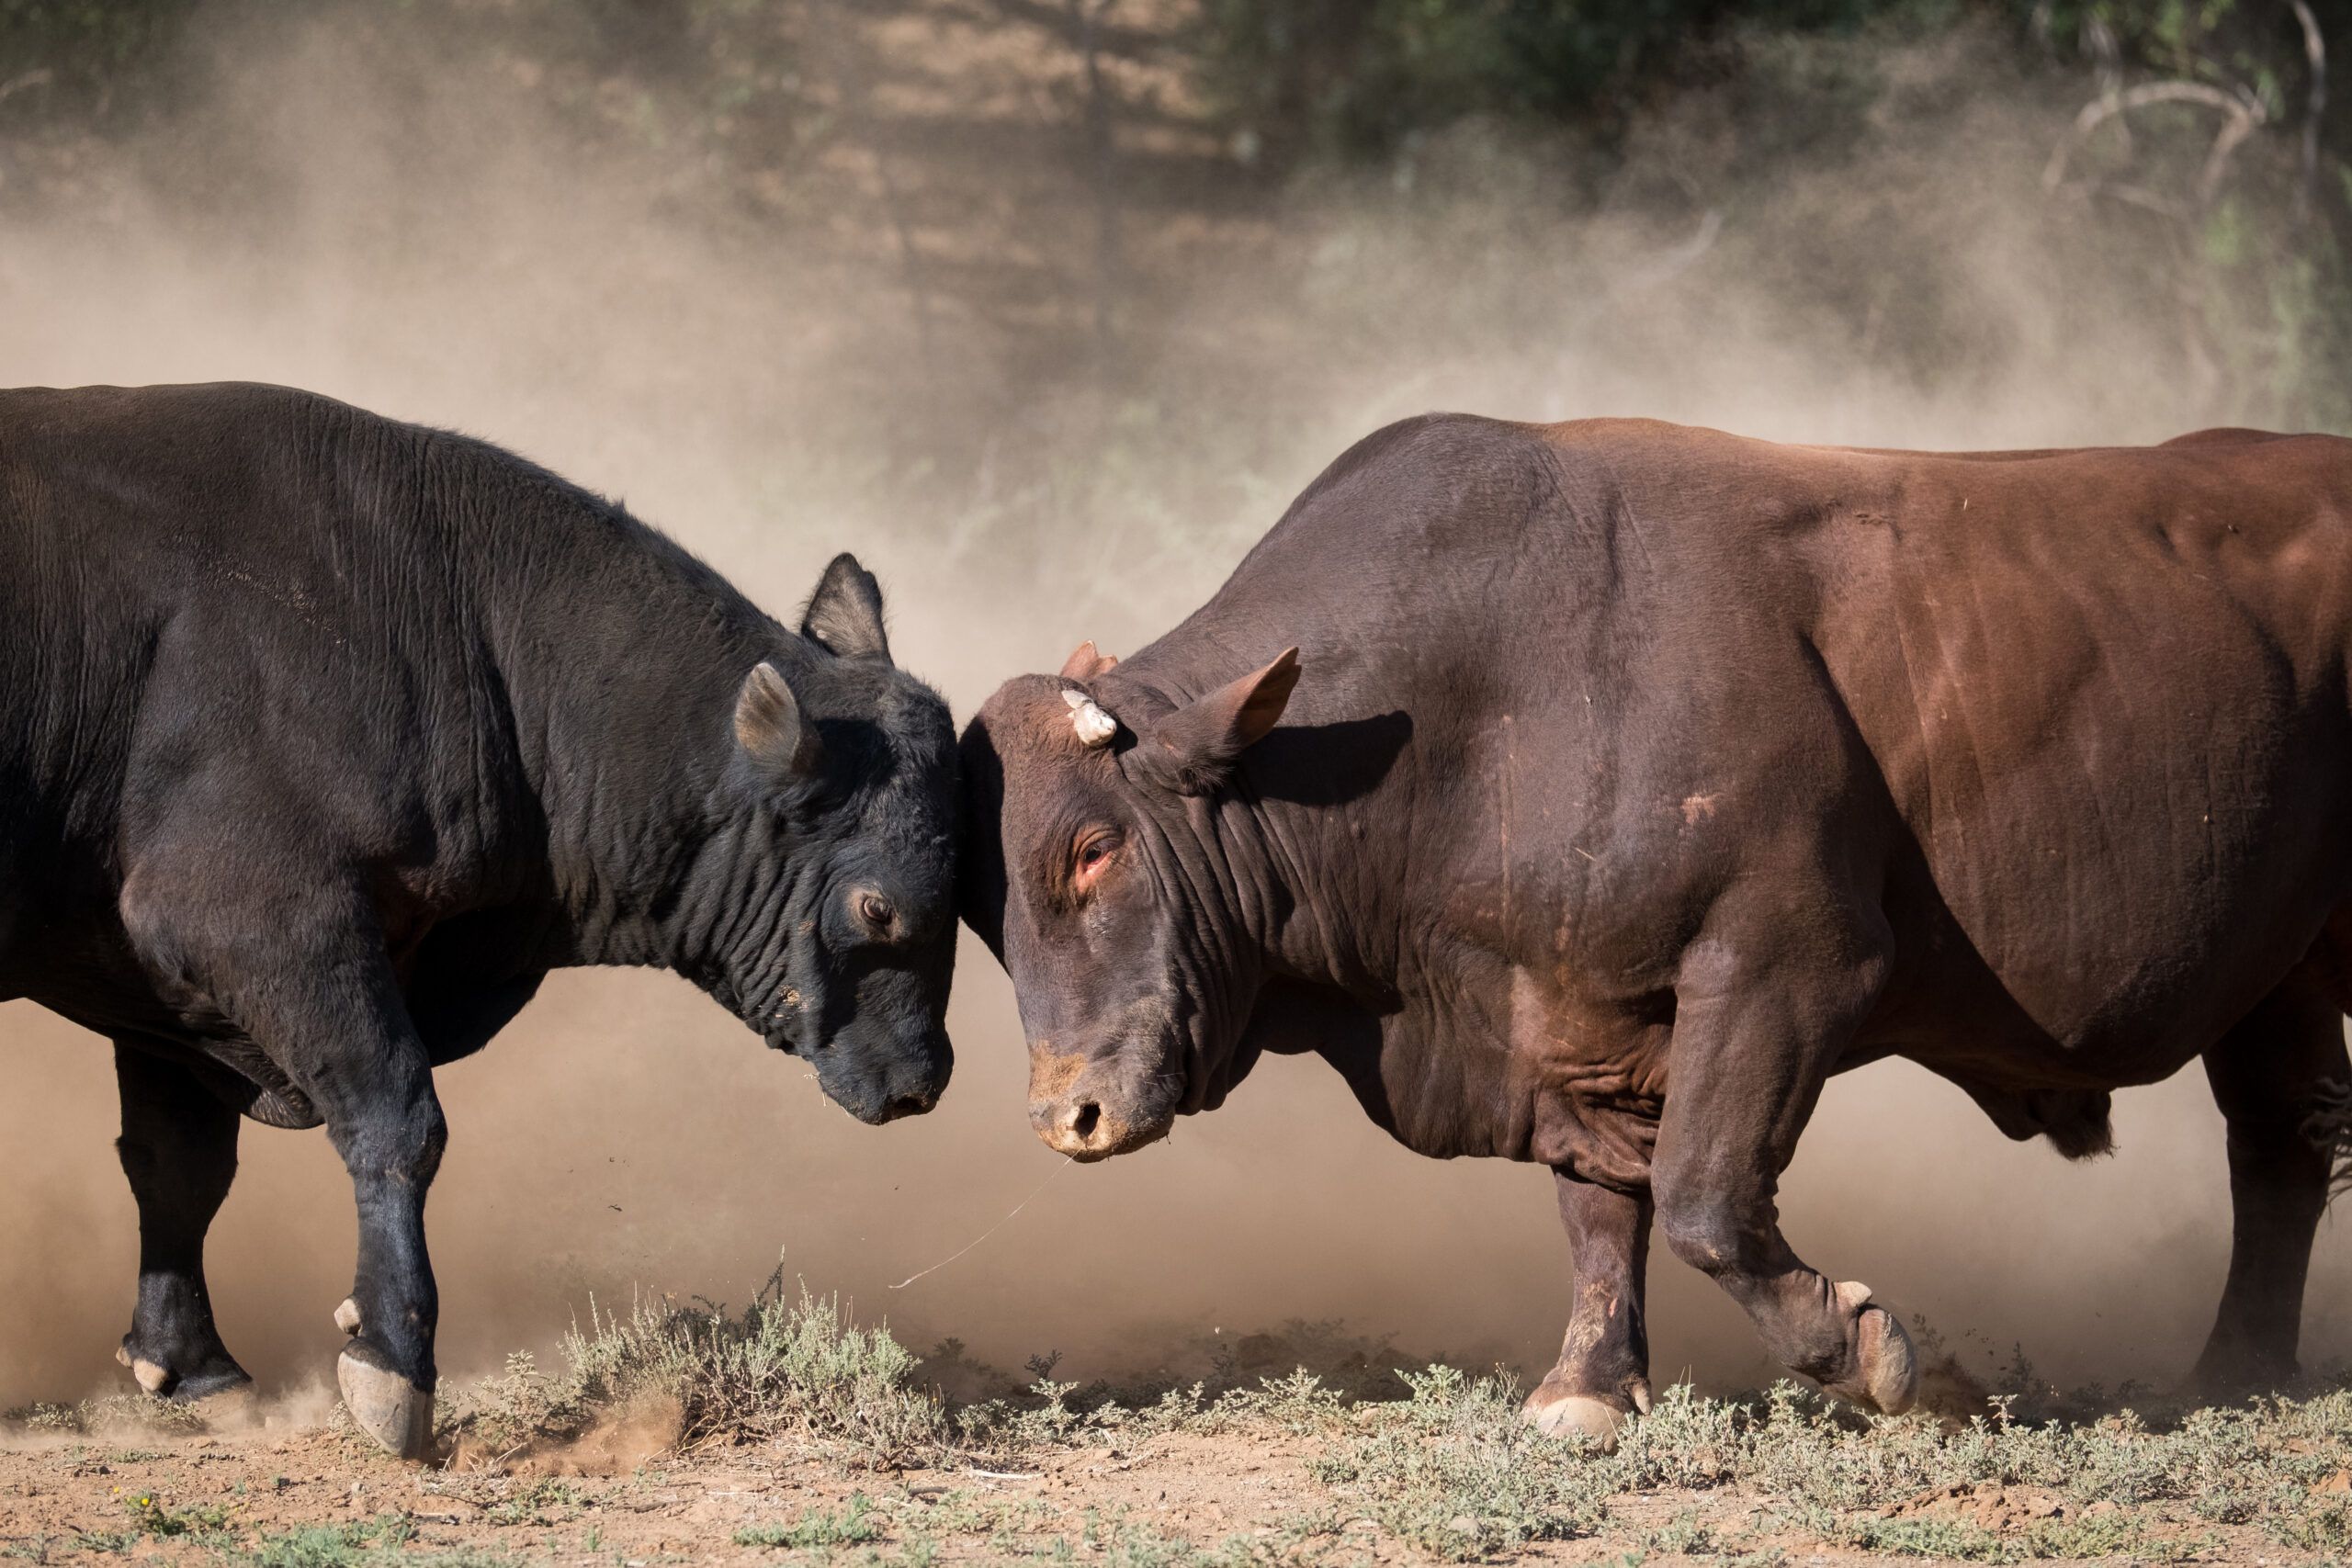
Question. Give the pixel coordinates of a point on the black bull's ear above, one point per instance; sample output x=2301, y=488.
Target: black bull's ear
x=1197, y=745
x=773, y=730
x=844, y=616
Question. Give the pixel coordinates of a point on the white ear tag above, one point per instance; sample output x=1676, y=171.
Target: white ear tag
x=1094, y=726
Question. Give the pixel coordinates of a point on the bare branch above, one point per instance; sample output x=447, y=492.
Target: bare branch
x=2315, y=52
x=2241, y=117
x=16, y=84
x=2217, y=162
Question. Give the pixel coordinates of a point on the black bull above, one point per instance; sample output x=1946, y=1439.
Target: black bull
x=322, y=738
x=1622, y=782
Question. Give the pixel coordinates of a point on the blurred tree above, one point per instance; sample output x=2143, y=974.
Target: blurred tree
x=2209, y=127
x=1354, y=75
x=75, y=51
x=2205, y=132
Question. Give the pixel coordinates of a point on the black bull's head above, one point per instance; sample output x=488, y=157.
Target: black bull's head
x=1111, y=873
x=819, y=909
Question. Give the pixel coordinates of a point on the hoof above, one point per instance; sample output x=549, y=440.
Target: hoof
x=154, y=1380
x=1887, y=1375
x=386, y=1405
x=214, y=1389
x=215, y=1375
x=346, y=1316
x=1580, y=1415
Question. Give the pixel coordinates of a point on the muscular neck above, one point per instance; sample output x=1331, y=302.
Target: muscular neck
x=617, y=657
x=1308, y=902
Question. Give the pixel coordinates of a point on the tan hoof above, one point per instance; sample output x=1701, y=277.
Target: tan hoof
x=1576, y=1416
x=346, y=1316
x=1888, y=1378
x=384, y=1404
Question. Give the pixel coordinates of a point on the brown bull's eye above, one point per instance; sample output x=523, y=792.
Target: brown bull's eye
x=876, y=911
x=1093, y=854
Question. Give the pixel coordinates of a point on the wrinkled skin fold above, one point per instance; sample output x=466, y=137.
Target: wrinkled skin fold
x=323, y=739
x=1587, y=794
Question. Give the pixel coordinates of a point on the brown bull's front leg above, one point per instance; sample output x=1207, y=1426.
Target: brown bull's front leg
x=1755, y=1036
x=1603, y=1375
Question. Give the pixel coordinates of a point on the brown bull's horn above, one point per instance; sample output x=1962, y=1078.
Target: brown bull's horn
x=1094, y=726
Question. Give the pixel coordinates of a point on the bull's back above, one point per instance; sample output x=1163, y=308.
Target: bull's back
x=177, y=561
x=2093, y=702
x=2106, y=694
x=122, y=509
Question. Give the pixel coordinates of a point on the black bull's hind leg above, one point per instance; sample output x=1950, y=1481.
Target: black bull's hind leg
x=306, y=979
x=179, y=1149
x=1753, y=1043
x=2274, y=1077
x=1603, y=1373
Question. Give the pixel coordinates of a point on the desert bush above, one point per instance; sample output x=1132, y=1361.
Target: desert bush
x=819, y=1528
x=1456, y=1472
x=786, y=1366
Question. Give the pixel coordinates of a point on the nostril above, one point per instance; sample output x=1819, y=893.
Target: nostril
x=1084, y=1119
x=909, y=1105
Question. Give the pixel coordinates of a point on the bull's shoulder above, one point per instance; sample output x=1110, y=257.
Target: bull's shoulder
x=1409, y=453
x=1389, y=488
x=2224, y=435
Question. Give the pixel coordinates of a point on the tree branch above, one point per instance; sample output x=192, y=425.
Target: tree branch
x=2241, y=118
x=2314, y=52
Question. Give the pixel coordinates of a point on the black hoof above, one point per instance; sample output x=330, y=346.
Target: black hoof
x=211, y=1382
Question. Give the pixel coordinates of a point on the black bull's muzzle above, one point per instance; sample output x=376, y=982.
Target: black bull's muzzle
x=878, y=1091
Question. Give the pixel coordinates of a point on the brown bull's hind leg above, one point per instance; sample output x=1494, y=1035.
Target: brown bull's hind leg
x=1753, y=1039
x=1603, y=1372
x=2272, y=1076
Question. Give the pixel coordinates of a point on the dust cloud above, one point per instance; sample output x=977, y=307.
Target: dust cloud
x=874, y=319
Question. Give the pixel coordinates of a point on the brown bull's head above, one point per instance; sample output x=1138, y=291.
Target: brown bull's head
x=1109, y=865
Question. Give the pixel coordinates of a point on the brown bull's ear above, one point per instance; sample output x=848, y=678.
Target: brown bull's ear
x=844, y=616
x=1084, y=663
x=980, y=857
x=1200, y=742
x=778, y=737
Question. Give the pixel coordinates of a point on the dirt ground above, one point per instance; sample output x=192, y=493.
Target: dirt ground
x=308, y=1492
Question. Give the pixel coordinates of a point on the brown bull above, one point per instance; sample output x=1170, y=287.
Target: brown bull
x=1588, y=794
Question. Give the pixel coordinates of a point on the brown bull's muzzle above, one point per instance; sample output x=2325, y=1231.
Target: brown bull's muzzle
x=1078, y=1112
